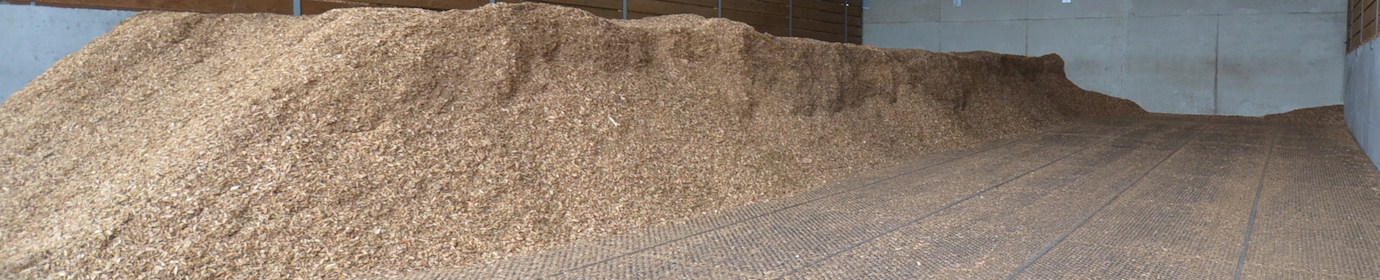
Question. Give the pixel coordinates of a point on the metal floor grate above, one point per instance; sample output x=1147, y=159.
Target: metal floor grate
x=1153, y=197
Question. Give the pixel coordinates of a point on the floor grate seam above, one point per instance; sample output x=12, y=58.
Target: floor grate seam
x=1147, y=251
x=699, y=265
x=1293, y=269
x=1085, y=220
x=1255, y=206
x=946, y=207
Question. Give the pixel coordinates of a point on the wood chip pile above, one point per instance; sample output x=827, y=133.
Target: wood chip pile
x=1326, y=116
x=363, y=142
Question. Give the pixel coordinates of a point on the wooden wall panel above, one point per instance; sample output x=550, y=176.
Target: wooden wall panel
x=1363, y=24
x=758, y=19
x=242, y=6
x=432, y=4
x=818, y=19
x=670, y=8
x=1353, y=31
x=312, y=7
x=1367, y=16
x=758, y=6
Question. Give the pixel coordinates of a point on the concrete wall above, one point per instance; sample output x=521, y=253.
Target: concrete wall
x=1215, y=57
x=1362, y=98
x=35, y=37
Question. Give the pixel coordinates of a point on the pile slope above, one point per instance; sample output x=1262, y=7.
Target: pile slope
x=370, y=141
x=1327, y=116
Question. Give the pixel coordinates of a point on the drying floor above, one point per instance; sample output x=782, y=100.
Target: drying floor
x=1146, y=198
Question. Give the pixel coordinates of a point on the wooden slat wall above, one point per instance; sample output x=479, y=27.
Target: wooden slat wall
x=1363, y=23
x=818, y=19
x=824, y=20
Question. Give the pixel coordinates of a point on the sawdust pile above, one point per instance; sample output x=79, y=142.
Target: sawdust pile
x=1332, y=116
x=368, y=141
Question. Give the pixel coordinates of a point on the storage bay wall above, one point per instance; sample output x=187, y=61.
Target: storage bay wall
x=36, y=36
x=826, y=20
x=1362, y=99
x=1210, y=57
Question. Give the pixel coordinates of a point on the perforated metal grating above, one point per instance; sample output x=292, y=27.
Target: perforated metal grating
x=1154, y=197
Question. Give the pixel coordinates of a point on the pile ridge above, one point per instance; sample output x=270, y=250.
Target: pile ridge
x=364, y=142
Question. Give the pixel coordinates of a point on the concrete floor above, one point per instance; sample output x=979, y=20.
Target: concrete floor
x=1148, y=198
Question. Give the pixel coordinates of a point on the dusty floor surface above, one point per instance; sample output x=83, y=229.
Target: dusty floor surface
x=1149, y=197
x=370, y=141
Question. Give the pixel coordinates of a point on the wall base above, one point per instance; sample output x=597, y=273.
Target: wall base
x=1362, y=98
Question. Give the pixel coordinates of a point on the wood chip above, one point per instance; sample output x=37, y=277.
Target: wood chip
x=364, y=142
